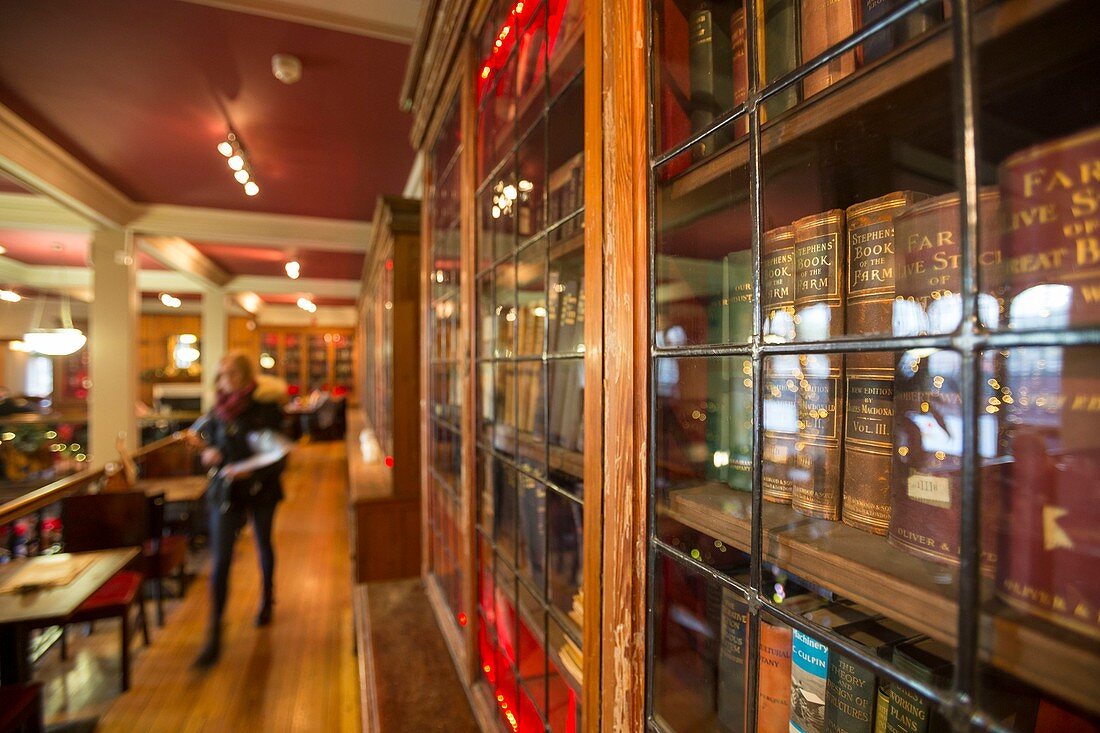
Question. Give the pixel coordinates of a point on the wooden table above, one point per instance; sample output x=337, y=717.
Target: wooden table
x=19, y=612
x=176, y=489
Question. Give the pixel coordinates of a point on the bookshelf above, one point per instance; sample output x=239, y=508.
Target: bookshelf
x=921, y=595
x=658, y=193
x=310, y=358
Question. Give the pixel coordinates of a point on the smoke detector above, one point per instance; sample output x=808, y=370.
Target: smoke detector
x=286, y=68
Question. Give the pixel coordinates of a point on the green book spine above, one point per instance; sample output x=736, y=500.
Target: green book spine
x=781, y=51
x=710, y=58
x=849, y=696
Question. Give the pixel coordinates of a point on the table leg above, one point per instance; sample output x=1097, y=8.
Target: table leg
x=14, y=652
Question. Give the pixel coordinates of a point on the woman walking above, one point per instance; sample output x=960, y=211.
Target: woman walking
x=243, y=445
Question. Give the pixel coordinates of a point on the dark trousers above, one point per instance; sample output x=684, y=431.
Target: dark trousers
x=224, y=527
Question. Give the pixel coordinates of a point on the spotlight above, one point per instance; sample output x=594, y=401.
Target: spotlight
x=170, y=301
x=236, y=162
x=251, y=188
x=225, y=148
x=241, y=176
x=293, y=269
x=10, y=296
x=307, y=305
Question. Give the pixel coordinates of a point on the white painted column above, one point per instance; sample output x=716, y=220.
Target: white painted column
x=213, y=342
x=112, y=344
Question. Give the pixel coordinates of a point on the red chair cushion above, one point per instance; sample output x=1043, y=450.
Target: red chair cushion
x=17, y=702
x=118, y=592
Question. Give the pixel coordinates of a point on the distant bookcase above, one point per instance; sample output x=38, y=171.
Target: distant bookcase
x=313, y=358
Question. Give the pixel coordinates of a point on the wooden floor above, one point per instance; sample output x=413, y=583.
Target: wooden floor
x=299, y=674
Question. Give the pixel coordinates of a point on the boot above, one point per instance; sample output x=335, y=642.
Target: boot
x=210, y=652
x=263, y=616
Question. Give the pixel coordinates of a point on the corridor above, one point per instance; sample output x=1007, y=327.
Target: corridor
x=299, y=674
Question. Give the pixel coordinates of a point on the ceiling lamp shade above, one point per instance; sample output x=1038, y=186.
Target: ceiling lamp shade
x=54, y=341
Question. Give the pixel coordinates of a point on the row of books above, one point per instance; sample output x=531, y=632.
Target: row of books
x=791, y=32
x=876, y=439
x=804, y=686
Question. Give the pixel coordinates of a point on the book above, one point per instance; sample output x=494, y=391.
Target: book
x=855, y=700
x=926, y=660
x=1050, y=499
x=738, y=32
x=819, y=314
x=809, y=671
x=735, y=401
x=825, y=23
x=914, y=23
x=733, y=632
x=780, y=372
x=1050, y=246
x=777, y=44
x=869, y=377
x=710, y=58
x=773, y=693
x=781, y=387
x=777, y=285
x=926, y=487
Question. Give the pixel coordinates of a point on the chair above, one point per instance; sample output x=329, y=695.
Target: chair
x=21, y=708
x=165, y=554
x=103, y=522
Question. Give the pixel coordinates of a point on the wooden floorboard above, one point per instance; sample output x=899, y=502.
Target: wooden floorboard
x=299, y=674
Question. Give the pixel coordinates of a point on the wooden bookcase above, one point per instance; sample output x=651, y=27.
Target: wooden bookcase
x=384, y=441
x=932, y=104
x=310, y=358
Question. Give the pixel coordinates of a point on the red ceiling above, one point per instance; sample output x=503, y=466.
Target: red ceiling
x=56, y=249
x=239, y=260
x=141, y=91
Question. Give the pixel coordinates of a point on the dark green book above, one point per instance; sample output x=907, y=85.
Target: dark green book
x=853, y=700
x=731, y=662
x=782, y=52
x=737, y=421
x=710, y=59
x=928, y=661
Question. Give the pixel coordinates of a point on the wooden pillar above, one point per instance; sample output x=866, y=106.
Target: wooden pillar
x=112, y=344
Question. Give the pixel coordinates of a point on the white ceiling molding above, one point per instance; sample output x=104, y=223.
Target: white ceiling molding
x=371, y=20
x=79, y=279
x=41, y=164
x=183, y=257
x=291, y=315
x=316, y=287
x=30, y=211
x=249, y=229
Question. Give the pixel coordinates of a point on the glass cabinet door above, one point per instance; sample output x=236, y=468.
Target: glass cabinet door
x=530, y=349
x=444, y=267
x=873, y=326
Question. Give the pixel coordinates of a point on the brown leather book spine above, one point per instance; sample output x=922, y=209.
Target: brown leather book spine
x=869, y=378
x=819, y=314
x=1051, y=204
x=825, y=23
x=777, y=286
x=926, y=474
x=780, y=373
x=1049, y=535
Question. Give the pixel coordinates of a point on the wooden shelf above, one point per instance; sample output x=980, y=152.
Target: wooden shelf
x=928, y=54
x=559, y=459
x=919, y=593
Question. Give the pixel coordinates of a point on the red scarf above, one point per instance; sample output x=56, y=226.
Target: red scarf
x=231, y=404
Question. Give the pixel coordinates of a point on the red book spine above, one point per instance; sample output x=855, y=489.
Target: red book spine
x=1050, y=245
